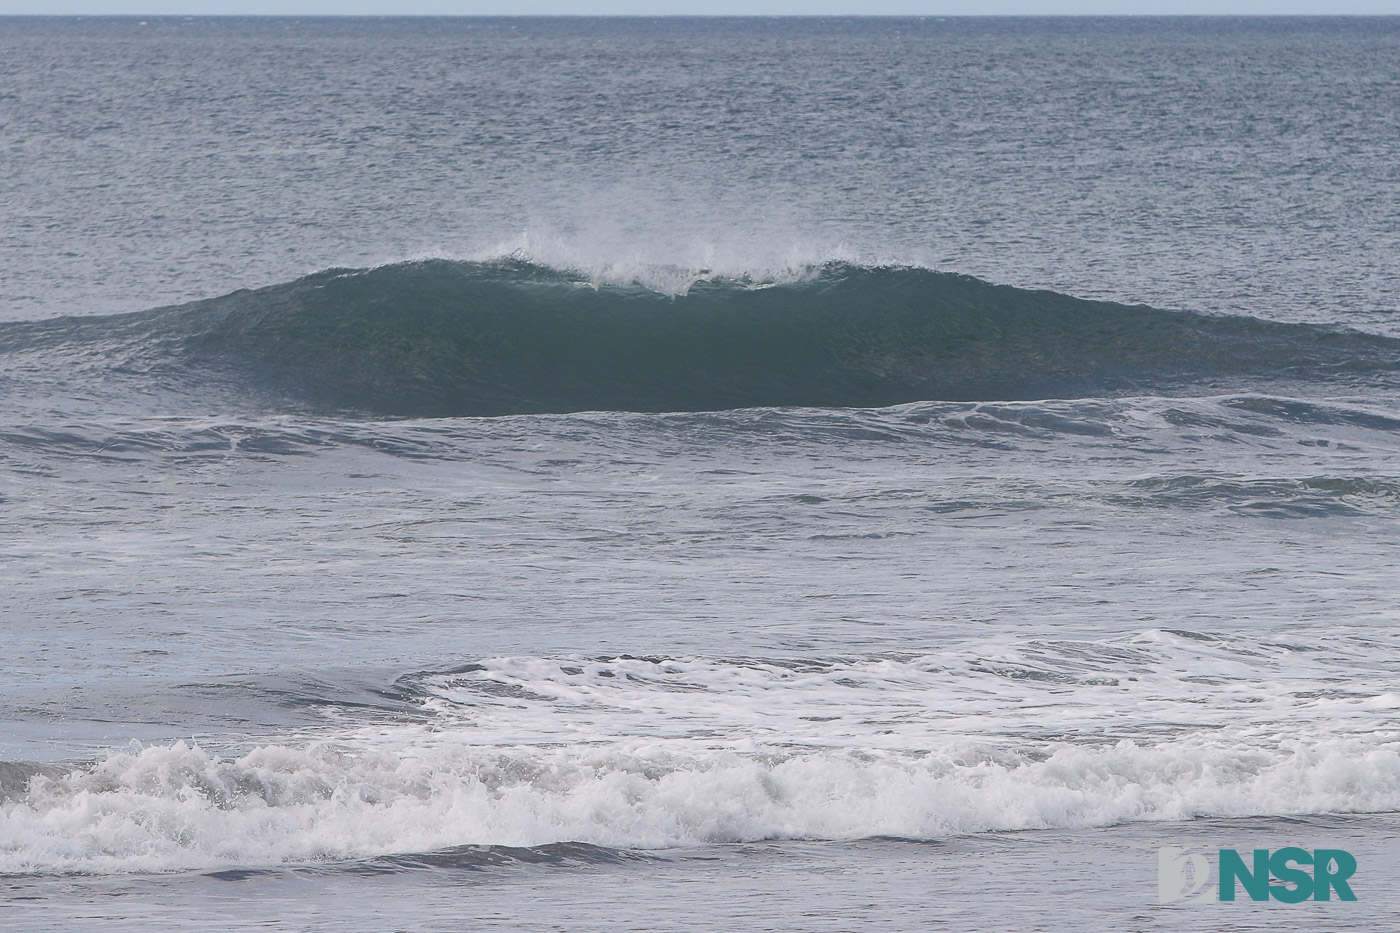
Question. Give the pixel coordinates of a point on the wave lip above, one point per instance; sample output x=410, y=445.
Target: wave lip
x=448, y=338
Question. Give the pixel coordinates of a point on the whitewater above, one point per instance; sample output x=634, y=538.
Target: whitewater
x=694, y=474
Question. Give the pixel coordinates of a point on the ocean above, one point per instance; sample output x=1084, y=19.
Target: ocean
x=696, y=474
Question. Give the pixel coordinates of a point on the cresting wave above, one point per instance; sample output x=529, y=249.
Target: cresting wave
x=446, y=338
x=641, y=753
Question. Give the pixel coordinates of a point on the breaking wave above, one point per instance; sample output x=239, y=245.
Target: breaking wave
x=629, y=753
x=448, y=338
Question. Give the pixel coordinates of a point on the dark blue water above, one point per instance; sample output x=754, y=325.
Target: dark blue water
x=763, y=474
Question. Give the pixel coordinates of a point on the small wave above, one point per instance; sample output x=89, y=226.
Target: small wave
x=614, y=755
x=447, y=338
x=178, y=807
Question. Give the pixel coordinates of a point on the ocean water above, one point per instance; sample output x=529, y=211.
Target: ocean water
x=694, y=474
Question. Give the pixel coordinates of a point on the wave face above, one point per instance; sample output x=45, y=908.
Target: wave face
x=445, y=338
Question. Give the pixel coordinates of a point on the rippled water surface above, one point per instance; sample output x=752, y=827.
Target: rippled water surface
x=563, y=474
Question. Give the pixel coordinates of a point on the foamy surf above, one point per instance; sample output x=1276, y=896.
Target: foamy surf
x=637, y=753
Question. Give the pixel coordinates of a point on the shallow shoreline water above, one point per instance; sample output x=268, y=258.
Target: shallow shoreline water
x=1027, y=881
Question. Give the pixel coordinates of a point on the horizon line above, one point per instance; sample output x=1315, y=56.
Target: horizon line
x=918, y=16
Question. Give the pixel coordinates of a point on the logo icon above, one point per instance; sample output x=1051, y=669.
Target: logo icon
x=1181, y=875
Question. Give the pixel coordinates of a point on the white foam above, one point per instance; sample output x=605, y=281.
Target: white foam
x=178, y=807
x=672, y=268
x=651, y=753
x=1155, y=683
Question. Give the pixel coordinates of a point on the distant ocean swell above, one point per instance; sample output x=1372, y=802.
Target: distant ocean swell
x=445, y=338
